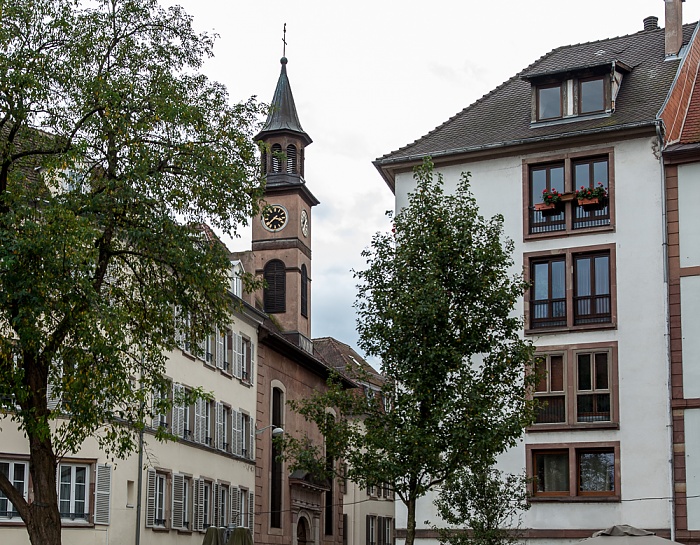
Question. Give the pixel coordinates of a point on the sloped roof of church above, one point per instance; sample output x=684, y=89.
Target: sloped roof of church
x=283, y=115
x=503, y=116
x=345, y=360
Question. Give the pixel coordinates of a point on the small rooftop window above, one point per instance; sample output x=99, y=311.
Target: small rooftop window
x=549, y=102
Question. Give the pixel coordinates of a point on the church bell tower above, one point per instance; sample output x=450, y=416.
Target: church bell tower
x=282, y=234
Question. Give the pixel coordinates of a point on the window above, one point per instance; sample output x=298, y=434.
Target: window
x=304, y=292
x=384, y=525
x=549, y=102
x=329, y=502
x=209, y=407
x=577, y=386
x=276, y=464
x=243, y=495
x=237, y=272
x=291, y=159
x=591, y=95
x=559, y=299
x=160, y=500
x=73, y=485
x=181, y=502
x=206, y=498
x=579, y=471
x=567, y=174
x=223, y=506
x=223, y=425
x=228, y=356
x=17, y=473
x=371, y=530
x=276, y=158
x=247, y=361
x=274, y=293
x=159, y=411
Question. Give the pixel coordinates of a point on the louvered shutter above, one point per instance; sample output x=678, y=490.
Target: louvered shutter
x=178, y=497
x=219, y=353
x=150, y=498
x=179, y=333
x=251, y=512
x=217, y=505
x=219, y=426
x=238, y=370
x=380, y=530
x=229, y=352
x=251, y=439
x=235, y=432
x=239, y=438
x=367, y=528
x=235, y=506
x=198, y=522
x=200, y=420
x=103, y=493
x=252, y=363
x=53, y=393
x=178, y=410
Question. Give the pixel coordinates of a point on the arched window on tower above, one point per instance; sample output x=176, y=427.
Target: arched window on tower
x=274, y=299
x=263, y=162
x=304, y=291
x=276, y=158
x=291, y=159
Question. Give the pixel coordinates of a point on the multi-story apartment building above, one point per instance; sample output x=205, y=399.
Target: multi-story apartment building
x=608, y=335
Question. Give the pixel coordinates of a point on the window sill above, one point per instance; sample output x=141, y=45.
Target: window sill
x=574, y=499
x=572, y=329
x=553, y=121
x=579, y=426
x=160, y=528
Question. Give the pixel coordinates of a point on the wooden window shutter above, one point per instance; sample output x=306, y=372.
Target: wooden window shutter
x=235, y=506
x=217, y=503
x=235, y=431
x=198, y=522
x=274, y=294
x=239, y=437
x=251, y=512
x=178, y=428
x=200, y=420
x=150, y=498
x=251, y=371
x=220, y=338
x=291, y=159
x=103, y=493
x=380, y=531
x=251, y=440
x=367, y=527
x=178, y=492
x=219, y=426
x=238, y=371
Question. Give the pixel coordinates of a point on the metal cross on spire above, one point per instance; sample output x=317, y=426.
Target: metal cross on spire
x=284, y=40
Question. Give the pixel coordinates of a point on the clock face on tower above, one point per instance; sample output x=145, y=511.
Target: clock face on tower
x=275, y=218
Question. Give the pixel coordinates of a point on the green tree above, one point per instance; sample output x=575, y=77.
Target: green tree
x=114, y=151
x=435, y=305
x=483, y=505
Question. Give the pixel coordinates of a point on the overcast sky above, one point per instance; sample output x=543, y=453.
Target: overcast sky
x=371, y=76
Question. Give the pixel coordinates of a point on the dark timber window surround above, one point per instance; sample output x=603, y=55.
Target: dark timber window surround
x=549, y=101
x=578, y=387
x=304, y=302
x=567, y=173
x=574, y=471
x=274, y=294
x=573, y=288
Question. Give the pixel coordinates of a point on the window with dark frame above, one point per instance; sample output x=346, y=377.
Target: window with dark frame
x=276, y=464
x=568, y=177
x=591, y=95
x=304, y=291
x=594, y=472
x=549, y=102
x=592, y=289
x=557, y=298
x=274, y=293
x=592, y=387
x=551, y=389
x=548, y=292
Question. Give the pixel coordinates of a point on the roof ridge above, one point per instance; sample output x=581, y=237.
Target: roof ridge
x=511, y=79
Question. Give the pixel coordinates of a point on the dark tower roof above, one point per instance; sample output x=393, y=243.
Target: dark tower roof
x=283, y=114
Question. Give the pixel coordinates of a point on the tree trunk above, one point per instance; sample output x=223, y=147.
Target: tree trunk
x=411, y=522
x=44, y=524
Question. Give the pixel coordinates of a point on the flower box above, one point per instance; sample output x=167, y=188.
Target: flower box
x=552, y=209
x=594, y=203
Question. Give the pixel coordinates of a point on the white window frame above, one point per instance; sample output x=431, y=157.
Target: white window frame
x=161, y=485
x=9, y=512
x=72, y=500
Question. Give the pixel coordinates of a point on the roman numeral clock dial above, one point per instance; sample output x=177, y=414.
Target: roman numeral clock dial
x=275, y=218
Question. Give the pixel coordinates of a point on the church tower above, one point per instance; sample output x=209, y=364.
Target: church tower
x=282, y=234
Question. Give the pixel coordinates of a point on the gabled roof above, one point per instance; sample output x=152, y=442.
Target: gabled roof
x=345, y=360
x=283, y=112
x=503, y=117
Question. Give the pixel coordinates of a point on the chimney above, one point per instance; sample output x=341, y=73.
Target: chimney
x=674, y=26
x=651, y=23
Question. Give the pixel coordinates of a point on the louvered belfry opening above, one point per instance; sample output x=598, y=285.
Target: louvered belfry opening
x=263, y=162
x=291, y=159
x=274, y=293
x=276, y=158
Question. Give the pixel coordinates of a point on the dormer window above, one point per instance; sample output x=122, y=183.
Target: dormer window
x=591, y=95
x=549, y=102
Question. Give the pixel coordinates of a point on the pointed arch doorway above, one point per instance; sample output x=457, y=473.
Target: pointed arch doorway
x=303, y=532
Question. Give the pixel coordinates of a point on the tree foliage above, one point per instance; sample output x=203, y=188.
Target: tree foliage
x=483, y=506
x=435, y=304
x=114, y=151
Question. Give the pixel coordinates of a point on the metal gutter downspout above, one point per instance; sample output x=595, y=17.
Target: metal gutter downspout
x=667, y=333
